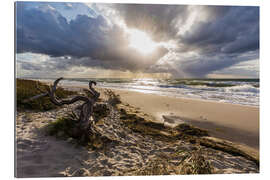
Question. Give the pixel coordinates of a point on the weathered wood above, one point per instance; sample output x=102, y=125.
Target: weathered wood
x=86, y=109
x=94, y=92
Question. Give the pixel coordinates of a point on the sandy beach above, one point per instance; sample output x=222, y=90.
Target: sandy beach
x=131, y=152
x=233, y=122
x=236, y=123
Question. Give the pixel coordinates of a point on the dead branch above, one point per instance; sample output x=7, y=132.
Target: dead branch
x=86, y=109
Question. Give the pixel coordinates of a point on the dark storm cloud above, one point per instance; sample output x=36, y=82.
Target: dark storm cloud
x=160, y=21
x=200, y=67
x=217, y=38
x=93, y=40
x=221, y=41
x=235, y=31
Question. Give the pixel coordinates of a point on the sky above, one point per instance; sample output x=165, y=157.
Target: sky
x=136, y=40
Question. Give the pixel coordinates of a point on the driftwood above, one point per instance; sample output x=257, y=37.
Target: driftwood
x=86, y=109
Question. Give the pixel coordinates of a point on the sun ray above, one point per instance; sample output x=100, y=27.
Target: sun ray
x=141, y=41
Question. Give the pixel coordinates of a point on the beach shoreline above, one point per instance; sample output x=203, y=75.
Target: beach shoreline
x=237, y=123
x=79, y=87
x=233, y=122
x=243, y=92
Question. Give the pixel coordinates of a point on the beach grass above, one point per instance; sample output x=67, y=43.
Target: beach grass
x=61, y=127
x=26, y=89
x=192, y=162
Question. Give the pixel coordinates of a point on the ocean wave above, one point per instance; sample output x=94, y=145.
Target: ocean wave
x=243, y=88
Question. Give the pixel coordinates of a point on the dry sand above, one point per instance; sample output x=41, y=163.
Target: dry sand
x=38, y=155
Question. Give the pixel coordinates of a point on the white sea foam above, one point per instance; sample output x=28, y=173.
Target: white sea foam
x=243, y=88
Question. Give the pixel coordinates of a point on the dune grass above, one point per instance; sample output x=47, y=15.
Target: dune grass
x=142, y=124
x=26, y=89
x=192, y=162
x=61, y=126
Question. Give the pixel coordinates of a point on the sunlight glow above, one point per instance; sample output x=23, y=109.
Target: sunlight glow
x=140, y=41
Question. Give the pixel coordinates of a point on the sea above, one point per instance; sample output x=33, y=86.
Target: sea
x=235, y=91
